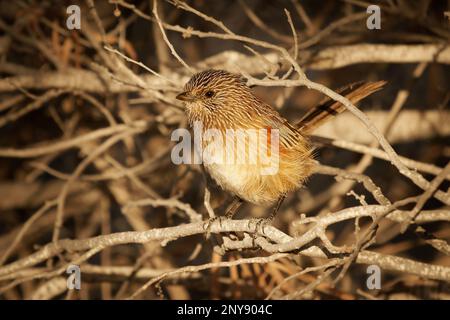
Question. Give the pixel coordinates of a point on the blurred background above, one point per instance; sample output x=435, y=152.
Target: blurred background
x=64, y=93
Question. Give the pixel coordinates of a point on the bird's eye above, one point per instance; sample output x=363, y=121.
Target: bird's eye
x=209, y=94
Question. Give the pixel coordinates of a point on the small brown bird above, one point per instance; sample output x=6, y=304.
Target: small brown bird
x=221, y=100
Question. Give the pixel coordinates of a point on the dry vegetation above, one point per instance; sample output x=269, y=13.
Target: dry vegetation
x=86, y=176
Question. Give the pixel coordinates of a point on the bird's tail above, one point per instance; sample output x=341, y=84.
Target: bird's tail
x=329, y=108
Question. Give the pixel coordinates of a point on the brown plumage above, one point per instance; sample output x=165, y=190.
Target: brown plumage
x=221, y=100
x=328, y=108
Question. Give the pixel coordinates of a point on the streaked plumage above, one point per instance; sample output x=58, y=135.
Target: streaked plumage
x=221, y=100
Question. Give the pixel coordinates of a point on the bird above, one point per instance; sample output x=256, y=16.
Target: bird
x=222, y=101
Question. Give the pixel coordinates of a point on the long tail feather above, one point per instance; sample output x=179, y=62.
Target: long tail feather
x=329, y=108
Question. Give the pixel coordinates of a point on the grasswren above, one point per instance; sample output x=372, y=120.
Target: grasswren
x=222, y=101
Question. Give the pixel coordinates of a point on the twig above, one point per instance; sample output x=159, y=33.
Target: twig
x=172, y=49
x=80, y=168
x=66, y=144
x=283, y=243
x=36, y=104
x=169, y=203
x=434, y=185
x=205, y=266
x=140, y=64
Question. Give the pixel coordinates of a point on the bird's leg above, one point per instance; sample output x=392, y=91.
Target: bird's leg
x=237, y=202
x=269, y=219
x=277, y=207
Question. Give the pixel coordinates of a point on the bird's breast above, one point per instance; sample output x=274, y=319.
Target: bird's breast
x=242, y=167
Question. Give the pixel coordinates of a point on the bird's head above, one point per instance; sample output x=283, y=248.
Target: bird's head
x=214, y=94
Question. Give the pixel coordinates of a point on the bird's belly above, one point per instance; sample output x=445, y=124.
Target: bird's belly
x=239, y=176
x=238, y=179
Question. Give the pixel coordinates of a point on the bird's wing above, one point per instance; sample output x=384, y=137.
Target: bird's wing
x=289, y=136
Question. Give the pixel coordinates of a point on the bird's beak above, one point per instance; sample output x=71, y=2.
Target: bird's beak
x=185, y=96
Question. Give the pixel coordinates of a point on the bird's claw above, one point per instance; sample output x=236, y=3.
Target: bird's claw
x=260, y=223
x=207, y=225
x=259, y=226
